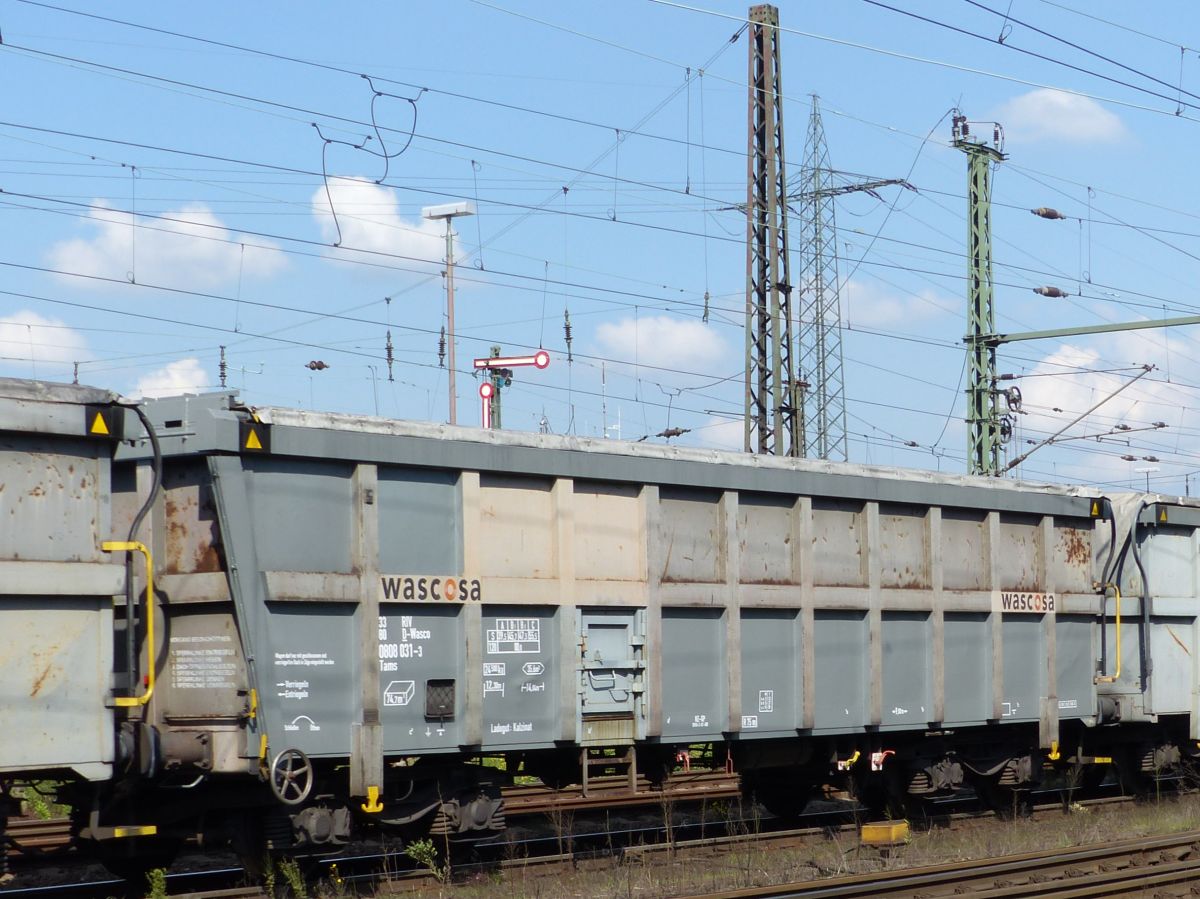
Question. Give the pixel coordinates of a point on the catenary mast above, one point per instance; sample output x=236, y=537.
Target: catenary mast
x=770, y=407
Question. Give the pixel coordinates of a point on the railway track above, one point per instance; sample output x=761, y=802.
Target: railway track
x=610, y=792
x=1138, y=867
x=1173, y=859
x=35, y=836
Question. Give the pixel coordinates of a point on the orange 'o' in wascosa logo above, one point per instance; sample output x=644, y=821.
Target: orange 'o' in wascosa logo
x=450, y=588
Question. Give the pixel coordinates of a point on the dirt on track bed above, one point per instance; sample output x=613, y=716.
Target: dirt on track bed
x=689, y=873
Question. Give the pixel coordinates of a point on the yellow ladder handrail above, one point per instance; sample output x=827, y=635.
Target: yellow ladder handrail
x=110, y=546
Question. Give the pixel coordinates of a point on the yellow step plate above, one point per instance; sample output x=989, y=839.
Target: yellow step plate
x=884, y=833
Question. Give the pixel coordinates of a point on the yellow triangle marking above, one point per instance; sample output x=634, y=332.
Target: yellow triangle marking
x=252, y=442
x=1095, y=510
x=98, y=425
x=1162, y=515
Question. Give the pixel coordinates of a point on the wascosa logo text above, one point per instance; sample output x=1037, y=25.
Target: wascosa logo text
x=1026, y=602
x=421, y=589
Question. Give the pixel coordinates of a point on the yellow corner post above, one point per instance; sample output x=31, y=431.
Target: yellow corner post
x=110, y=546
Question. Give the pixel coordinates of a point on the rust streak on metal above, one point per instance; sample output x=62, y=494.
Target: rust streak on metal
x=40, y=681
x=1178, y=641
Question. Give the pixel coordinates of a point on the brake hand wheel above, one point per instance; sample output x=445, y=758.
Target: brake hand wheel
x=291, y=777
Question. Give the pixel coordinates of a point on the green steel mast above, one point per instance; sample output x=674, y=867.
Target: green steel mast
x=983, y=422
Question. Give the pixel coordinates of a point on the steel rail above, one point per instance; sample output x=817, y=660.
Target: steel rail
x=1115, y=866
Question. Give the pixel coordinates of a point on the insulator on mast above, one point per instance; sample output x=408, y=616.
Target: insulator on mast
x=223, y=367
x=442, y=348
x=567, y=334
x=704, y=317
x=391, y=356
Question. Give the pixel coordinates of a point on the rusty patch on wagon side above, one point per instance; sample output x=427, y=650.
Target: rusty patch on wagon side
x=1075, y=548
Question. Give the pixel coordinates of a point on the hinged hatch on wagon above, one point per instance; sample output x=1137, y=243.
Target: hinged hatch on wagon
x=611, y=683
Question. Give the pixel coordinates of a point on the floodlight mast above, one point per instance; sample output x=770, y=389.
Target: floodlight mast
x=449, y=211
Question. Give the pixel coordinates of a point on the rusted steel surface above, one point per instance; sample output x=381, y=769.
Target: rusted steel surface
x=607, y=792
x=193, y=544
x=35, y=836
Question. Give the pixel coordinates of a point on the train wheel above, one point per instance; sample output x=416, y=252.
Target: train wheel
x=556, y=770
x=784, y=797
x=1007, y=802
x=1083, y=781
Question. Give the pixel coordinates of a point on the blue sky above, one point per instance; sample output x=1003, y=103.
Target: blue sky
x=165, y=196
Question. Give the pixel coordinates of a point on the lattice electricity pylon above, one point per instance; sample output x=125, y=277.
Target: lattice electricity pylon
x=770, y=408
x=820, y=325
x=984, y=425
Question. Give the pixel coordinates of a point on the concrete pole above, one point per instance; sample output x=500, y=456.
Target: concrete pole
x=450, y=314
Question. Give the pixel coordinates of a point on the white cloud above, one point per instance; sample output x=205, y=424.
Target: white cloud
x=183, y=376
x=369, y=217
x=189, y=246
x=660, y=340
x=871, y=306
x=721, y=432
x=27, y=336
x=1137, y=406
x=1050, y=115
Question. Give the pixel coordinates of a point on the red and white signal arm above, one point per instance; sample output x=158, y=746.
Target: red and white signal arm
x=486, y=390
x=539, y=360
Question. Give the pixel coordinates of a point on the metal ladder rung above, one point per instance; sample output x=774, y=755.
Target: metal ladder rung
x=588, y=761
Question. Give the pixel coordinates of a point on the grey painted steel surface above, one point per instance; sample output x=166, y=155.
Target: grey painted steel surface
x=610, y=663
x=843, y=671
x=907, y=701
x=601, y=593
x=772, y=672
x=897, y=570
x=522, y=662
x=207, y=424
x=693, y=679
x=422, y=706
x=1161, y=612
x=57, y=588
x=968, y=697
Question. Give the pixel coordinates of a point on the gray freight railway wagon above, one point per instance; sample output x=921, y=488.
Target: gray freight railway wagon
x=404, y=589
x=413, y=588
x=349, y=609
x=56, y=583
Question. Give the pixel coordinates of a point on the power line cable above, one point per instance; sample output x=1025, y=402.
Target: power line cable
x=1125, y=28
x=1050, y=59
x=933, y=62
x=1062, y=40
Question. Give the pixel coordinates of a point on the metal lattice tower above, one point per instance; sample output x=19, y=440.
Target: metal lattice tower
x=983, y=418
x=820, y=344
x=770, y=410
